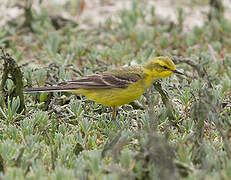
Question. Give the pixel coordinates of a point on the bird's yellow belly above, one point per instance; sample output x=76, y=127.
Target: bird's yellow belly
x=114, y=96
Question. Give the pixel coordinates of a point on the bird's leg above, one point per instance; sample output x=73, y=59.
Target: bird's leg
x=115, y=108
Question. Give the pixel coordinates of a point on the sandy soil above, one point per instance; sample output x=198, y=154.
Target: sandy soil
x=97, y=11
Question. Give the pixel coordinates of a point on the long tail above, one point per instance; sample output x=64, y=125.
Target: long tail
x=47, y=89
x=95, y=81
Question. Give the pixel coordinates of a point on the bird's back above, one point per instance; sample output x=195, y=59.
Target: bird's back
x=127, y=84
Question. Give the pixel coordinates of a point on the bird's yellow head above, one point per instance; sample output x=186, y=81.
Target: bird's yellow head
x=161, y=67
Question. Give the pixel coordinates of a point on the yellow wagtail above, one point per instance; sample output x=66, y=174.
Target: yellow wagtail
x=116, y=87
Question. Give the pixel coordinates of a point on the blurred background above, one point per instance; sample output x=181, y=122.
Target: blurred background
x=91, y=13
x=179, y=129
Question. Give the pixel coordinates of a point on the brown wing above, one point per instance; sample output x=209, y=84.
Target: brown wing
x=103, y=81
x=120, y=78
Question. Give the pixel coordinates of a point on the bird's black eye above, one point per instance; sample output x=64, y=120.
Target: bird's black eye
x=165, y=67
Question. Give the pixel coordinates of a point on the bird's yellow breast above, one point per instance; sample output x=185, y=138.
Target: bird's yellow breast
x=114, y=96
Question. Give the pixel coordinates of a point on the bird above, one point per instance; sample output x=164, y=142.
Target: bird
x=118, y=86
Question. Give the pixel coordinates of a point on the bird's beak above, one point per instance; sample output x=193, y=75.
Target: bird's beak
x=178, y=72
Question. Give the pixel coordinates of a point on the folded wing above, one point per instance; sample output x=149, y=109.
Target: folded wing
x=107, y=80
